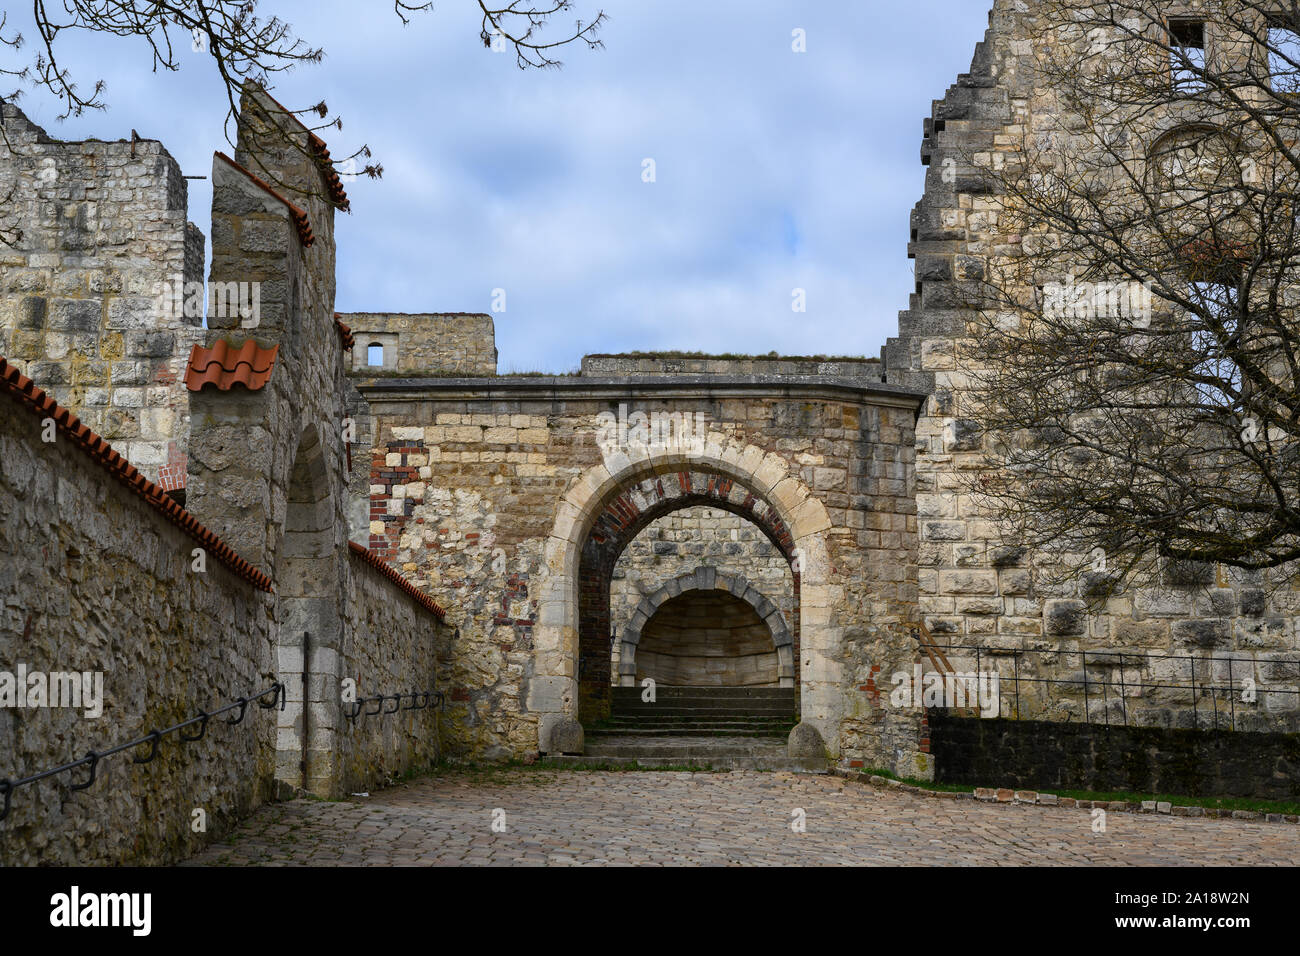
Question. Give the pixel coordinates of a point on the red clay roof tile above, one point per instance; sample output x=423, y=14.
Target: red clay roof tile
x=225, y=366
x=22, y=390
x=390, y=572
x=345, y=333
x=300, y=220
x=333, y=183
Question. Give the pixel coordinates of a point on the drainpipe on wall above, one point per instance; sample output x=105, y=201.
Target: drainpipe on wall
x=306, y=705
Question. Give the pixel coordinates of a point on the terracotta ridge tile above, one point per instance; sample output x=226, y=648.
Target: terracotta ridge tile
x=323, y=162
x=225, y=366
x=24, y=391
x=296, y=213
x=345, y=333
x=390, y=572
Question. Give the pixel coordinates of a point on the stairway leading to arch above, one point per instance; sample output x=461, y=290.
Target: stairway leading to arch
x=703, y=712
x=717, y=728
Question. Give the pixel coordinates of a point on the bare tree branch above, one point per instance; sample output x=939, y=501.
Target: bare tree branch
x=1136, y=348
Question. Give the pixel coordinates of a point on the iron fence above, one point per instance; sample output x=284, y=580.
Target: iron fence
x=1236, y=691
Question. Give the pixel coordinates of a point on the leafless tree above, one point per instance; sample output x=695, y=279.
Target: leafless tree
x=242, y=45
x=1134, y=359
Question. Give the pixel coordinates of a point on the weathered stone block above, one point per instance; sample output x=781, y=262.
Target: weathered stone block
x=1065, y=618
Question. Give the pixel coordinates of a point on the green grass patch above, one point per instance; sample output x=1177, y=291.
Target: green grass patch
x=1290, y=807
x=1215, y=803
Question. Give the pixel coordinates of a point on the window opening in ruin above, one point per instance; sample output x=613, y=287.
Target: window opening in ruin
x=1283, y=59
x=375, y=355
x=1216, y=334
x=1187, y=54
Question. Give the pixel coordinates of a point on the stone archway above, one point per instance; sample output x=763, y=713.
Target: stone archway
x=636, y=505
x=704, y=579
x=748, y=480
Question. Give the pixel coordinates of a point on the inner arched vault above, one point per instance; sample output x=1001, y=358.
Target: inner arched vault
x=707, y=629
x=676, y=544
x=707, y=639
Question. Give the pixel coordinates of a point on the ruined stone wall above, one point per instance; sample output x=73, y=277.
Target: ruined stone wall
x=103, y=226
x=269, y=469
x=678, y=543
x=978, y=587
x=673, y=363
x=95, y=579
x=390, y=646
x=466, y=492
x=449, y=343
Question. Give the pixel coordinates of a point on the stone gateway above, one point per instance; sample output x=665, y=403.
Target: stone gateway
x=427, y=560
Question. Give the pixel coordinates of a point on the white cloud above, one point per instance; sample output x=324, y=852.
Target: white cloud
x=775, y=169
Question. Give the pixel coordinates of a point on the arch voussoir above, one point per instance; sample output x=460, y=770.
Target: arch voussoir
x=602, y=511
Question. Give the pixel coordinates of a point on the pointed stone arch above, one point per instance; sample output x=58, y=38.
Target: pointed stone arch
x=767, y=478
x=708, y=579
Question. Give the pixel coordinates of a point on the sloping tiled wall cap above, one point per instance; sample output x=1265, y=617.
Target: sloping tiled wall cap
x=225, y=366
x=22, y=390
x=320, y=152
x=345, y=333
x=296, y=213
x=333, y=182
x=390, y=572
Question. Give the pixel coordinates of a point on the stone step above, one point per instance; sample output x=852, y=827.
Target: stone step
x=744, y=693
x=710, y=716
x=701, y=709
x=723, y=764
x=688, y=719
x=729, y=731
x=714, y=752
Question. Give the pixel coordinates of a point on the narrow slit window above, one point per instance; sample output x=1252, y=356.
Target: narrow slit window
x=375, y=355
x=1187, y=54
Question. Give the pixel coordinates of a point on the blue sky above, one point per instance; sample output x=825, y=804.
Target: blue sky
x=774, y=170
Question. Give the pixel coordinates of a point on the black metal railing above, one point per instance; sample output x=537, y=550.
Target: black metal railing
x=1135, y=688
x=154, y=738
x=360, y=708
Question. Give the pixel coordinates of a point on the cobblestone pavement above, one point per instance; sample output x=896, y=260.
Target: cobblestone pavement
x=667, y=818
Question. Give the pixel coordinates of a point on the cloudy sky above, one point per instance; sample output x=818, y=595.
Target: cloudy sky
x=773, y=170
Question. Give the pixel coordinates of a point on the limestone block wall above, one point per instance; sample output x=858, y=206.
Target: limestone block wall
x=103, y=227
x=102, y=580
x=94, y=579
x=446, y=343
x=978, y=587
x=466, y=494
x=269, y=470
x=391, y=645
x=707, y=639
x=685, y=363
x=677, y=543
